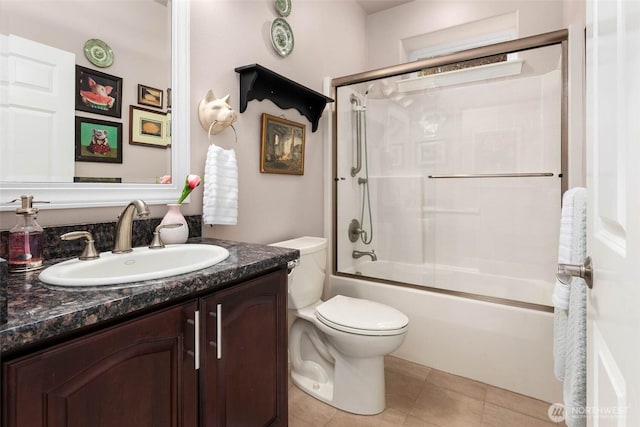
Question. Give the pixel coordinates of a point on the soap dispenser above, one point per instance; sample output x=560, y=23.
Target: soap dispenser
x=25, y=238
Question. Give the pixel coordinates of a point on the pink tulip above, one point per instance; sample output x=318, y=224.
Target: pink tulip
x=193, y=181
x=166, y=179
x=190, y=183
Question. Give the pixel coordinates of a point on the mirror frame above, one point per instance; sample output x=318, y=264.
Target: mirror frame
x=80, y=195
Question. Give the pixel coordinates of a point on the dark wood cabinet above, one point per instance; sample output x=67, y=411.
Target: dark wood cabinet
x=139, y=373
x=245, y=364
x=142, y=372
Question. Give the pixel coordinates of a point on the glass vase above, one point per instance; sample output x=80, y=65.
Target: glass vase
x=176, y=235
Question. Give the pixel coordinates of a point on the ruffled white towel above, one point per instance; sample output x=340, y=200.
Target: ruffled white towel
x=570, y=332
x=561, y=291
x=220, y=198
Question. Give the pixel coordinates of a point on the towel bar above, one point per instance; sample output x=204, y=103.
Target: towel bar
x=567, y=271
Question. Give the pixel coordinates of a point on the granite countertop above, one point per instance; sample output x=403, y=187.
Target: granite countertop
x=38, y=312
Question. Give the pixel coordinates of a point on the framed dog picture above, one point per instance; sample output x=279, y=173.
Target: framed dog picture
x=98, y=141
x=150, y=96
x=98, y=93
x=282, y=146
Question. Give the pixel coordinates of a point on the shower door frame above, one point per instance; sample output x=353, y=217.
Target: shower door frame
x=559, y=37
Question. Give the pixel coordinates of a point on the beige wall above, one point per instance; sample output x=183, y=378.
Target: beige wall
x=329, y=41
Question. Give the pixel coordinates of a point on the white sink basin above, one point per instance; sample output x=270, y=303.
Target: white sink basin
x=140, y=264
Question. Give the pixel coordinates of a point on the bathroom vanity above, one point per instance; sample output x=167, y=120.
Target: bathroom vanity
x=207, y=348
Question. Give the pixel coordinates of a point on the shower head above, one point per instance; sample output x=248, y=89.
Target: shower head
x=371, y=86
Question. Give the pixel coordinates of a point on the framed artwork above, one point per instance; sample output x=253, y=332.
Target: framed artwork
x=98, y=141
x=281, y=146
x=148, y=127
x=169, y=98
x=150, y=96
x=98, y=92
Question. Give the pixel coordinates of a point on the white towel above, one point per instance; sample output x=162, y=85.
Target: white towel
x=561, y=291
x=570, y=332
x=220, y=196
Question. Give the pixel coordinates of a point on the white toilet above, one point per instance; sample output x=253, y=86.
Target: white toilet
x=337, y=347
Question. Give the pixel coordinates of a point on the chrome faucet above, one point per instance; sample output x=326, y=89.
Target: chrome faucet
x=122, y=237
x=358, y=254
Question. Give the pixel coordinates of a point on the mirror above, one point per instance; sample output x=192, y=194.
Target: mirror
x=94, y=194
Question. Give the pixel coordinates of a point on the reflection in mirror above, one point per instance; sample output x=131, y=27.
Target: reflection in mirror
x=48, y=90
x=117, y=52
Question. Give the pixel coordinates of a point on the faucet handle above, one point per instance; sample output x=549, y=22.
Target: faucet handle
x=156, y=242
x=89, y=251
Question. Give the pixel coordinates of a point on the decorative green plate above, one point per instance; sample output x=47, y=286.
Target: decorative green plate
x=283, y=7
x=281, y=37
x=98, y=53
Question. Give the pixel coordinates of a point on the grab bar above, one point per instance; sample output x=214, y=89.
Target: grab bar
x=493, y=175
x=357, y=109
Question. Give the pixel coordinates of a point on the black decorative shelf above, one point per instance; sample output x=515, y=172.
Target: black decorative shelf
x=258, y=82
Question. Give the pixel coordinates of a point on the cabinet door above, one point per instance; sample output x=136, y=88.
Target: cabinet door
x=139, y=373
x=244, y=372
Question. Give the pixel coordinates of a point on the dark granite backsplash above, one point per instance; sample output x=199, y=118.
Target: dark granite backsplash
x=102, y=233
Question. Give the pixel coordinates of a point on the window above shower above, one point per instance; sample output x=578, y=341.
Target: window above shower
x=483, y=32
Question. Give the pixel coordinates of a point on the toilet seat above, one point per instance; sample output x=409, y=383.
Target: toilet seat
x=362, y=317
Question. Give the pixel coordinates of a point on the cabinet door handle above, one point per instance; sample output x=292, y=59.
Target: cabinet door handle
x=218, y=343
x=196, y=335
x=196, y=338
x=219, y=330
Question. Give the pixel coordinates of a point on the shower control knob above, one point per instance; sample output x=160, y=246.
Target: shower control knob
x=354, y=230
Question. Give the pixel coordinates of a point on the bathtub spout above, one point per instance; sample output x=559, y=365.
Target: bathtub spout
x=358, y=254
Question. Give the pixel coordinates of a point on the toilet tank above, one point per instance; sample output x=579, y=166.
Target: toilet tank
x=306, y=281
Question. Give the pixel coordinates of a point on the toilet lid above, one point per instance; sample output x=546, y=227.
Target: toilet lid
x=361, y=316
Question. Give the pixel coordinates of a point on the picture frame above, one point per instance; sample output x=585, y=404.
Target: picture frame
x=168, y=98
x=150, y=96
x=98, y=92
x=97, y=179
x=149, y=127
x=281, y=146
x=98, y=140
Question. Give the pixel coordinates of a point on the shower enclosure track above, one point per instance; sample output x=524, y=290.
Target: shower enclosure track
x=492, y=175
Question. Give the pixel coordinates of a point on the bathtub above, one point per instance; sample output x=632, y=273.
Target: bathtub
x=502, y=345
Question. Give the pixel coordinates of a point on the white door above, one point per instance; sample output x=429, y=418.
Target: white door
x=613, y=183
x=37, y=112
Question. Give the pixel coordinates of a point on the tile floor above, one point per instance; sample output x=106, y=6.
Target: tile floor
x=418, y=396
